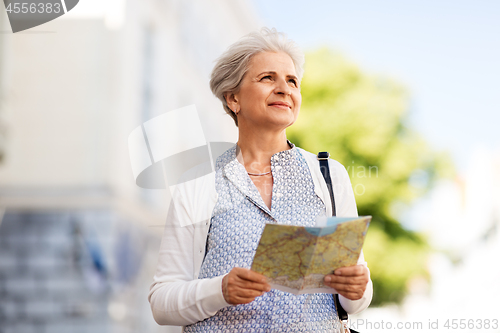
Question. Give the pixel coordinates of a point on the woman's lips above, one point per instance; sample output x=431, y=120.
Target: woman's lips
x=280, y=105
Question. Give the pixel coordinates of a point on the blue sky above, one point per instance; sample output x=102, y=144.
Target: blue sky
x=446, y=52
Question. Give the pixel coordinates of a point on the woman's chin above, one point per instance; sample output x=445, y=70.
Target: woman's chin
x=280, y=123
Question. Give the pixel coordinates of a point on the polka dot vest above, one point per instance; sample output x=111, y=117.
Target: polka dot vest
x=238, y=220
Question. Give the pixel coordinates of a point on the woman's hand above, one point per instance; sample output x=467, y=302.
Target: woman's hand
x=349, y=282
x=241, y=286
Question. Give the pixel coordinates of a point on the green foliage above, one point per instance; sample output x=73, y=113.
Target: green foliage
x=361, y=120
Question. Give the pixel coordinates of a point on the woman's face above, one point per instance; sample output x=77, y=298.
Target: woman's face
x=269, y=95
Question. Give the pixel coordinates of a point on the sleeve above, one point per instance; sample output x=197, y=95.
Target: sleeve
x=176, y=296
x=346, y=206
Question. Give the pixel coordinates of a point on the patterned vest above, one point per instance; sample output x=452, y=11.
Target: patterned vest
x=238, y=221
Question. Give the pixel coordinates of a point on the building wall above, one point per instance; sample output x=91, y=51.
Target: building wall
x=71, y=92
x=75, y=89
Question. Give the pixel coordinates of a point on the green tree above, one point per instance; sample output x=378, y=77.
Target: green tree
x=362, y=121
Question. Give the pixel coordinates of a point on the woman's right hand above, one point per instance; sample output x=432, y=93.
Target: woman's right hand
x=241, y=286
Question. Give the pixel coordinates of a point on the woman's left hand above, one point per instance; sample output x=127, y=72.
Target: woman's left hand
x=349, y=282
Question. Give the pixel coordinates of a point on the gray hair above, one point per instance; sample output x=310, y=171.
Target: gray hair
x=232, y=65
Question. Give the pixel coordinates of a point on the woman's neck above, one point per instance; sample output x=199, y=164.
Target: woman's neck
x=256, y=149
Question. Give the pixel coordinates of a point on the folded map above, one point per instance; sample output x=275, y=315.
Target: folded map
x=296, y=259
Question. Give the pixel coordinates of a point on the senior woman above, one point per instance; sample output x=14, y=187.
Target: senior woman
x=203, y=280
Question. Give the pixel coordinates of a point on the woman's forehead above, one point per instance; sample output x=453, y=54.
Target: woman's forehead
x=272, y=62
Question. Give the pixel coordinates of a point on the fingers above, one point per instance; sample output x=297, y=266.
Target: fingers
x=350, y=291
x=241, y=286
x=347, y=279
x=237, y=282
x=247, y=274
x=351, y=270
x=348, y=275
x=249, y=279
x=349, y=282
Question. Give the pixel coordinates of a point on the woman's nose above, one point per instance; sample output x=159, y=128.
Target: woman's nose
x=282, y=87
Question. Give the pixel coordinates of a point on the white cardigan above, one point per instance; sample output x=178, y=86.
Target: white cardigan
x=177, y=296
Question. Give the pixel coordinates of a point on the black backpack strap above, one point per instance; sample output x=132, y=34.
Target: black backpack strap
x=325, y=171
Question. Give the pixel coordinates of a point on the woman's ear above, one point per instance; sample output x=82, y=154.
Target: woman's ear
x=232, y=102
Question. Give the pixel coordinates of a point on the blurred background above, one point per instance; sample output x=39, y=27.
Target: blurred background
x=404, y=94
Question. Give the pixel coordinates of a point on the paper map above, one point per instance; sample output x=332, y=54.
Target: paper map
x=296, y=259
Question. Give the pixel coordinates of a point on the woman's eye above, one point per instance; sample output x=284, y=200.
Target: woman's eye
x=267, y=77
x=293, y=81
